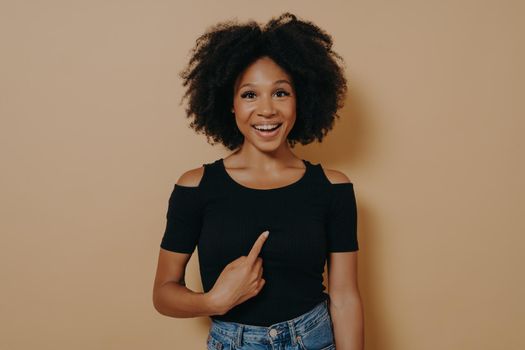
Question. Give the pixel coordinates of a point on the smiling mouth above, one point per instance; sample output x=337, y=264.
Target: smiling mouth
x=267, y=130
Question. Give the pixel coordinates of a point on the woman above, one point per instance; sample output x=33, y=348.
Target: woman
x=264, y=220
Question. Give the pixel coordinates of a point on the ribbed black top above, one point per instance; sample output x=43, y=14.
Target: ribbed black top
x=307, y=219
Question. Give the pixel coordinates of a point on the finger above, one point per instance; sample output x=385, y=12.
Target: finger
x=258, y=264
x=257, y=246
x=261, y=284
x=258, y=287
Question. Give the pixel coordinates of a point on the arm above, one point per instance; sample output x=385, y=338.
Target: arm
x=171, y=297
x=346, y=307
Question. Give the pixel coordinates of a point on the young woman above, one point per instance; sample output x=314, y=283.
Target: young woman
x=265, y=221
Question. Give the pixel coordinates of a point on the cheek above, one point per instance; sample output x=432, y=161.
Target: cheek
x=290, y=110
x=243, y=110
x=242, y=115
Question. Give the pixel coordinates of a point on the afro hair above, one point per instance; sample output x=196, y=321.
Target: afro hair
x=300, y=47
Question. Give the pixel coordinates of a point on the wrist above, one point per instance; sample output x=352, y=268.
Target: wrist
x=214, y=305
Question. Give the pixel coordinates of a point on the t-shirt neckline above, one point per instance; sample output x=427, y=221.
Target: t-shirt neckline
x=239, y=185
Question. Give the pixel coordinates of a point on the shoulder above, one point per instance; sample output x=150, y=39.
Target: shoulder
x=191, y=178
x=336, y=176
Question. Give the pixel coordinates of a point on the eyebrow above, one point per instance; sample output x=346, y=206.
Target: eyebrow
x=275, y=82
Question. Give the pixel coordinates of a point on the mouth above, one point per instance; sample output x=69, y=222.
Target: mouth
x=267, y=132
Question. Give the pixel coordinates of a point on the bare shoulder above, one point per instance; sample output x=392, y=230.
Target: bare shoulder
x=192, y=177
x=336, y=176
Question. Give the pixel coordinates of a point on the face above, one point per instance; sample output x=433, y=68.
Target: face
x=264, y=98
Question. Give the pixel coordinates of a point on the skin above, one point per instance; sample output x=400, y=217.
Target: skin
x=264, y=92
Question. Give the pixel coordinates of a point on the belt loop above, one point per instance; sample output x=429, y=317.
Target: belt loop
x=238, y=341
x=292, y=333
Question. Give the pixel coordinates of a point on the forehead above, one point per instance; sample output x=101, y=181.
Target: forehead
x=262, y=71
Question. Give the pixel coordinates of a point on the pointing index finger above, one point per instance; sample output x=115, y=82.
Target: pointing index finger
x=257, y=246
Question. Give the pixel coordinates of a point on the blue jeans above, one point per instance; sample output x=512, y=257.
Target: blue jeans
x=312, y=330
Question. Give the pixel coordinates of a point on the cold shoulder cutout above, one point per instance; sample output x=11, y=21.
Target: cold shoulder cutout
x=191, y=178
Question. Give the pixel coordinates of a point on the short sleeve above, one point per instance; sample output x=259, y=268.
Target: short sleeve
x=183, y=220
x=342, y=219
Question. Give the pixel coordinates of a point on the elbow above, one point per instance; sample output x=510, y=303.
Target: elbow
x=343, y=299
x=162, y=306
x=158, y=303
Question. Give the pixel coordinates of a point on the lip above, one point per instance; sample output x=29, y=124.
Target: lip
x=267, y=123
x=266, y=135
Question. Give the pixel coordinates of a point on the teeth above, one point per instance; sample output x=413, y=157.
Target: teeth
x=265, y=127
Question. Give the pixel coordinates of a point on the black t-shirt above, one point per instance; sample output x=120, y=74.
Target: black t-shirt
x=306, y=219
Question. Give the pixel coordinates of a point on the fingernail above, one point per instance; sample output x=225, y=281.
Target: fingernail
x=266, y=233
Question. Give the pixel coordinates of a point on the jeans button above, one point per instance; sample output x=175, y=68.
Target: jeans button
x=273, y=332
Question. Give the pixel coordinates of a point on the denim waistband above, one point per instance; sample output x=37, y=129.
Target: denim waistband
x=276, y=333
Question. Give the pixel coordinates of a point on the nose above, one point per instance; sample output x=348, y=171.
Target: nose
x=265, y=107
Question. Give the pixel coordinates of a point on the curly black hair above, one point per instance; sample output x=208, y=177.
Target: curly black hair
x=300, y=47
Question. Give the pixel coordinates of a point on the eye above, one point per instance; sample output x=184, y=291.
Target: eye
x=249, y=94
x=283, y=93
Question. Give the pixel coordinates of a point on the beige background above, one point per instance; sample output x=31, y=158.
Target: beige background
x=93, y=139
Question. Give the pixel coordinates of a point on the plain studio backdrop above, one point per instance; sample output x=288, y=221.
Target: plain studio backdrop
x=93, y=139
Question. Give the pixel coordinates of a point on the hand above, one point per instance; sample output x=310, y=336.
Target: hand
x=241, y=279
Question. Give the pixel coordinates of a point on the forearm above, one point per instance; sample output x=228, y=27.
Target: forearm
x=348, y=320
x=176, y=300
